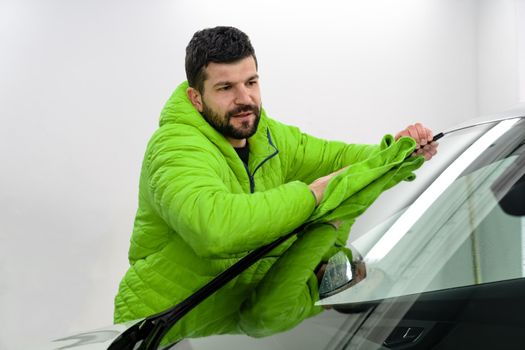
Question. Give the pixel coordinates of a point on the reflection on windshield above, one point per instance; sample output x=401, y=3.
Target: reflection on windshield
x=463, y=238
x=393, y=202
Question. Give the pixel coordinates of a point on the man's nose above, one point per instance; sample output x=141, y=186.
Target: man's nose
x=243, y=96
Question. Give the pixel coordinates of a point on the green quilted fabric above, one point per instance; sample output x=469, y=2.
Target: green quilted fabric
x=287, y=293
x=376, y=174
x=200, y=209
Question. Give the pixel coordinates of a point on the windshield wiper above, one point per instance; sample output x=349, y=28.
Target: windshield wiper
x=147, y=334
x=441, y=134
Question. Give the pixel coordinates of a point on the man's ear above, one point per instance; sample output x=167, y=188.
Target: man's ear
x=195, y=98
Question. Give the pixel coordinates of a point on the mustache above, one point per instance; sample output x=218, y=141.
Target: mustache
x=243, y=108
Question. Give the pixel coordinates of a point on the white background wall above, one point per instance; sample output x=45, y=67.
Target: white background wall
x=498, y=47
x=82, y=84
x=520, y=6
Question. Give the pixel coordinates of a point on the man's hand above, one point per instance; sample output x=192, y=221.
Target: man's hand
x=318, y=186
x=423, y=137
x=425, y=147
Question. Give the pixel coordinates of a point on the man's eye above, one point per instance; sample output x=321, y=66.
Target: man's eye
x=225, y=88
x=252, y=82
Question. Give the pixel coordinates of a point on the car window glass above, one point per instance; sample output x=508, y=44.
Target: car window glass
x=464, y=238
x=391, y=203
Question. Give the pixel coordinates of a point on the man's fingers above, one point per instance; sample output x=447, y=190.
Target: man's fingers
x=428, y=155
x=433, y=148
x=418, y=132
x=339, y=171
x=430, y=135
x=401, y=134
x=423, y=136
x=336, y=224
x=412, y=130
x=429, y=150
x=421, y=133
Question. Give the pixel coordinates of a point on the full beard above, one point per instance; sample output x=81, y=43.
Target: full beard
x=223, y=123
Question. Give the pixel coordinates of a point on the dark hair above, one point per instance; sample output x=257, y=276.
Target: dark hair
x=218, y=45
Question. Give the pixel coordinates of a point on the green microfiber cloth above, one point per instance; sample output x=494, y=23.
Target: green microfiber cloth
x=287, y=293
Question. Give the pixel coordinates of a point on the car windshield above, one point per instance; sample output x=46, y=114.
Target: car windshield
x=392, y=203
x=460, y=223
x=464, y=229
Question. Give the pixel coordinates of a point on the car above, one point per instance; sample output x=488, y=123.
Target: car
x=438, y=263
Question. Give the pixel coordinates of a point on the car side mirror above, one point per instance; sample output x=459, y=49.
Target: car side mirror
x=341, y=273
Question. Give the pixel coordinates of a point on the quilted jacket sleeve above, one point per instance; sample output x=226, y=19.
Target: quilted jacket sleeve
x=314, y=157
x=186, y=189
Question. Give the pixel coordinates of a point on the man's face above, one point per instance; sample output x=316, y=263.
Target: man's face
x=231, y=101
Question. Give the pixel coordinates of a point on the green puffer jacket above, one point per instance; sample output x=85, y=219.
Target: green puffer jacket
x=200, y=210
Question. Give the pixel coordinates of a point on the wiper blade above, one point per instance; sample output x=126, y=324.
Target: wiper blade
x=494, y=121
x=148, y=333
x=438, y=136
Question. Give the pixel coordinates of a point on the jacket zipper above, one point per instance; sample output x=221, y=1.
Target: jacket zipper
x=251, y=176
x=252, y=181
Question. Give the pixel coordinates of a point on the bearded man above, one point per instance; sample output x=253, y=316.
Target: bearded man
x=220, y=179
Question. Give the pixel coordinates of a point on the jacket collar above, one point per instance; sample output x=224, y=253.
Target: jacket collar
x=179, y=110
